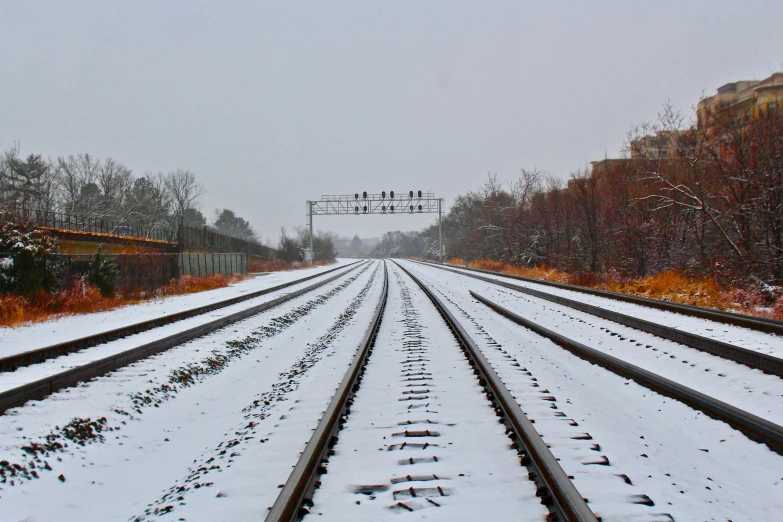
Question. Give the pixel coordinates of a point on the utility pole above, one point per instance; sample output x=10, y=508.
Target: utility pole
x=440, y=234
x=310, y=254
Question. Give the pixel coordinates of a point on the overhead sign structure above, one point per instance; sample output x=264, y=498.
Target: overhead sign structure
x=360, y=203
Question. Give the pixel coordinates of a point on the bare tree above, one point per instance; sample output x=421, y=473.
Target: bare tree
x=74, y=173
x=184, y=191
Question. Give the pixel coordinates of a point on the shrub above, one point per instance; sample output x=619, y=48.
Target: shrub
x=26, y=273
x=103, y=274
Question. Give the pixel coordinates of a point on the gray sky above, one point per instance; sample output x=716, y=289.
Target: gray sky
x=273, y=103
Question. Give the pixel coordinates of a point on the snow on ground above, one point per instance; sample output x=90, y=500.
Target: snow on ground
x=736, y=384
x=766, y=343
x=691, y=466
x=420, y=420
x=34, y=372
x=67, y=328
x=180, y=423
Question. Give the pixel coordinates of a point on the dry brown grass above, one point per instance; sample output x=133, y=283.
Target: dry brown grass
x=669, y=286
x=84, y=299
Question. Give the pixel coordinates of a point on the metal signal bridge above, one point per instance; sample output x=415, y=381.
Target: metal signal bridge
x=359, y=203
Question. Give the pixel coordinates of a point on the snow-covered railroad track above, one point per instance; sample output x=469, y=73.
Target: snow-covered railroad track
x=761, y=324
x=751, y=358
x=40, y=380
x=748, y=399
x=434, y=445
x=181, y=434
x=38, y=355
x=692, y=466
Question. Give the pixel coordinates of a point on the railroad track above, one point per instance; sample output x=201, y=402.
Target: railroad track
x=45, y=386
x=12, y=362
x=561, y=367
x=747, y=357
x=753, y=426
x=554, y=486
x=747, y=321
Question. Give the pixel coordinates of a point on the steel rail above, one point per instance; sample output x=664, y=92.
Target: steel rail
x=747, y=321
x=751, y=358
x=753, y=426
x=569, y=502
x=300, y=485
x=38, y=355
x=48, y=385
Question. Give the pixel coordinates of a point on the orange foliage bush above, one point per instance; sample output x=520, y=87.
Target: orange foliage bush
x=84, y=298
x=669, y=286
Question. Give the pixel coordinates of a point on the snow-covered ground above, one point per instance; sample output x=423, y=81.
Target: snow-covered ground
x=67, y=328
x=691, y=466
x=209, y=430
x=767, y=343
x=205, y=431
x=736, y=384
x=422, y=440
x=32, y=373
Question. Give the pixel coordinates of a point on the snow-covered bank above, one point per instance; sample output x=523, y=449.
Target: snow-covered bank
x=190, y=434
x=62, y=329
x=691, y=466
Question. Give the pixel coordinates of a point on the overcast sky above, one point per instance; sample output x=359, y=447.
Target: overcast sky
x=273, y=103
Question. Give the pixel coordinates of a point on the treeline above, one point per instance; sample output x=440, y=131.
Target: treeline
x=292, y=248
x=89, y=187
x=706, y=201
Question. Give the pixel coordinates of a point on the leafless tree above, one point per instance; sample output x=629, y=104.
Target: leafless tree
x=184, y=191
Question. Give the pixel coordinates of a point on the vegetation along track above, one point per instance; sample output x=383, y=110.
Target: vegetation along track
x=754, y=323
x=50, y=384
x=751, y=425
x=751, y=358
x=555, y=487
x=12, y=362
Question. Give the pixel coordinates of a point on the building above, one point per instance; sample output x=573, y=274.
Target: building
x=743, y=101
x=661, y=145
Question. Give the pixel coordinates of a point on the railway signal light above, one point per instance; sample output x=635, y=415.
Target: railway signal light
x=391, y=195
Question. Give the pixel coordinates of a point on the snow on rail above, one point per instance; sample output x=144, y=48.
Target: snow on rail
x=691, y=466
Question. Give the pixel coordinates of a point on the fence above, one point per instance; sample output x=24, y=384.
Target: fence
x=96, y=225
x=187, y=237
x=202, y=265
x=210, y=239
x=135, y=272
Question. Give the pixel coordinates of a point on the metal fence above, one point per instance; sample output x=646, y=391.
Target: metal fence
x=95, y=225
x=202, y=265
x=208, y=238
x=135, y=272
x=187, y=237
